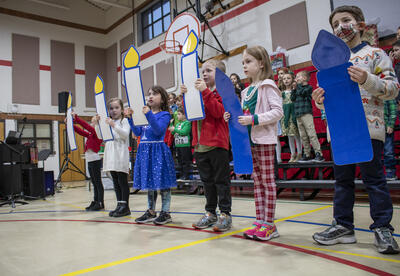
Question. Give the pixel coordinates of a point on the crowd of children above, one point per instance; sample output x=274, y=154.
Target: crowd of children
x=265, y=106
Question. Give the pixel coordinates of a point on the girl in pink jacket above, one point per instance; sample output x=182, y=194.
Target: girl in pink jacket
x=262, y=107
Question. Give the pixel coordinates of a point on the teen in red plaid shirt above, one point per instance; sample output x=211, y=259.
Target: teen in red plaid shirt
x=262, y=106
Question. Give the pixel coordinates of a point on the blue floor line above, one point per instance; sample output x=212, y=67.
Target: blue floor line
x=186, y=213
x=324, y=224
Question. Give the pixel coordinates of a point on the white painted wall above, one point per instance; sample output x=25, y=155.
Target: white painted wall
x=251, y=28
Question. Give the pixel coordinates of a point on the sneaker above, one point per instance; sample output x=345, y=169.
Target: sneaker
x=224, y=223
x=122, y=211
x=97, y=206
x=90, y=206
x=390, y=178
x=266, y=232
x=292, y=159
x=111, y=213
x=163, y=218
x=384, y=241
x=249, y=234
x=335, y=234
x=304, y=159
x=146, y=217
x=318, y=157
x=205, y=221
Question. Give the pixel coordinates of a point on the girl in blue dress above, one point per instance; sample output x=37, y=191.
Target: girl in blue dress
x=154, y=167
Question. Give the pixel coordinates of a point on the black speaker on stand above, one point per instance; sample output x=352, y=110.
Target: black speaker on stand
x=62, y=101
x=67, y=162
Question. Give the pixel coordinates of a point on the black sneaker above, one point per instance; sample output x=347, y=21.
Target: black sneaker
x=384, y=241
x=146, y=217
x=97, y=206
x=122, y=211
x=318, y=158
x=305, y=159
x=111, y=213
x=90, y=206
x=335, y=234
x=163, y=218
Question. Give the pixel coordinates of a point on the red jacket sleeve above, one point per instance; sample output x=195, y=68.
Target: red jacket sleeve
x=213, y=104
x=85, y=125
x=81, y=131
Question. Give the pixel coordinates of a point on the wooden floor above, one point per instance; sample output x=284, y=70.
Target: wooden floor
x=57, y=237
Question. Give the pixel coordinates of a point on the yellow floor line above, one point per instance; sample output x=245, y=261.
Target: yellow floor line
x=179, y=246
x=346, y=253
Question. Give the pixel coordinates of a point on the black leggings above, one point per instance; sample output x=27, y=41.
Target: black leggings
x=95, y=175
x=121, y=187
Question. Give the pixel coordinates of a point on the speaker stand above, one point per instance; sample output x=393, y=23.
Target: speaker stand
x=65, y=167
x=11, y=201
x=65, y=164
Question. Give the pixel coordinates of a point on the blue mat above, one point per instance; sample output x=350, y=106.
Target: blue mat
x=239, y=136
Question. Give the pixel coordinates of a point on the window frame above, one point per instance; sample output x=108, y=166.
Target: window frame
x=34, y=138
x=150, y=11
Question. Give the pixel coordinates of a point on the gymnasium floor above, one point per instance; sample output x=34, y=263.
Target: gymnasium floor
x=57, y=237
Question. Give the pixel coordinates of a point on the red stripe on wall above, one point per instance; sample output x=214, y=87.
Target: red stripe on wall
x=5, y=62
x=217, y=21
x=44, y=67
x=79, y=72
x=234, y=13
x=150, y=53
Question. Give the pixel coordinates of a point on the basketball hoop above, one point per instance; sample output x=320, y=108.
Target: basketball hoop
x=170, y=48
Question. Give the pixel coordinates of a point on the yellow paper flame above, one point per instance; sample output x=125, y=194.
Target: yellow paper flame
x=69, y=104
x=190, y=44
x=98, y=85
x=132, y=58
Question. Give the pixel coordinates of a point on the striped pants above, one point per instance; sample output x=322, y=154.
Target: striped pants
x=264, y=182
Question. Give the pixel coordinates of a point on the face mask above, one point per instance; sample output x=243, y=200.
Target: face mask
x=346, y=32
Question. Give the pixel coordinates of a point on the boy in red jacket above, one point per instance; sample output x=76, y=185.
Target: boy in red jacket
x=211, y=151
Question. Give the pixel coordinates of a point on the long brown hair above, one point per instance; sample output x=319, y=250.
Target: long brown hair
x=164, y=97
x=260, y=54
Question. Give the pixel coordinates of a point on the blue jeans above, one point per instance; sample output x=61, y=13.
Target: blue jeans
x=165, y=199
x=389, y=159
x=381, y=208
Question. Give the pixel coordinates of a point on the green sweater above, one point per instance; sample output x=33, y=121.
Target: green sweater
x=182, y=134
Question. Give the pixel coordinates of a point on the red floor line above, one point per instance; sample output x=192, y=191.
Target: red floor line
x=302, y=250
x=326, y=256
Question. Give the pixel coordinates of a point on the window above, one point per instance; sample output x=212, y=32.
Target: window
x=39, y=134
x=156, y=20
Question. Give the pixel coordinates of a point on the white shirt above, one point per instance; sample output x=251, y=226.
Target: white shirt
x=116, y=152
x=91, y=156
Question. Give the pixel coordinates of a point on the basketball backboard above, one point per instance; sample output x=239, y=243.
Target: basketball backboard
x=179, y=30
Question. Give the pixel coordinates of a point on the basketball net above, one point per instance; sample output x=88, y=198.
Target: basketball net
x=171, y=48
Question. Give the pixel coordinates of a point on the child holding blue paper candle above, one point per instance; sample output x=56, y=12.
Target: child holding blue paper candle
x=262, y=101
x=373, y=72
x=154, y=167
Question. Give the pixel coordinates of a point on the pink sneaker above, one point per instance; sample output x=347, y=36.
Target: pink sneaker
x=249, y=234
x=266, y=232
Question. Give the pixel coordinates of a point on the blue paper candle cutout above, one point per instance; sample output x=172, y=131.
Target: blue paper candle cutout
x=350, y=139
x=239, y=136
